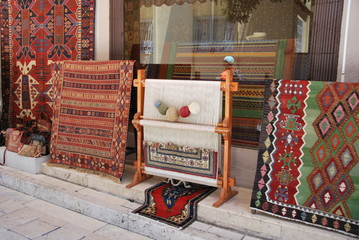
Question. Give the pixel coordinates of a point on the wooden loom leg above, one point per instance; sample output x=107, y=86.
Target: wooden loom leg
x=139, y=176
x=226, y=191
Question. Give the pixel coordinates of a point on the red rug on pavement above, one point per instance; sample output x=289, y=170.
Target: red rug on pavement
x=173, y=205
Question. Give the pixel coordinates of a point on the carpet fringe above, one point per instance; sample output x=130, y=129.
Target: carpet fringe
x=93, y=172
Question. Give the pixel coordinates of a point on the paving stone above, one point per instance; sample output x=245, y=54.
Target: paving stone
x=53, y=211
x=250, y=238
x=131, y=205
x=223, y=233
x=117, y=233
x=66, y=232
x=6, y=234
x=7, y=194
x=101, y=198
x=10, y=206
x=34, y=229
x=96, y=236
x=19, y=217
x=200, y=226
x=2, y=213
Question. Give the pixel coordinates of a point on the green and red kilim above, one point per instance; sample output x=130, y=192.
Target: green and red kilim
x=308, y=155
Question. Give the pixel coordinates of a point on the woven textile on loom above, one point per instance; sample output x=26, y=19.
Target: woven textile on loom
x=91, y=115
x=188, y=149
x=308, y=162
x=257, y=62
x=34, y=35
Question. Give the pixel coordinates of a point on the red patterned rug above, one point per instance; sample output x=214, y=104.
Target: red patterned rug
x=91, y=115
x=34, y=35
x=308, y=154
x=173, y=205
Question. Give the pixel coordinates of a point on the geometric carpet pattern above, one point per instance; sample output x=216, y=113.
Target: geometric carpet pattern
x=91, y=115
x=173, y=205
x=308, y=158
x=36, y=34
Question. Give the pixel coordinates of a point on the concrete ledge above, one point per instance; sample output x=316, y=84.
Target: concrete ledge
x=104, y=207
x=27, y=164
x=234, y=215
x=233, y=219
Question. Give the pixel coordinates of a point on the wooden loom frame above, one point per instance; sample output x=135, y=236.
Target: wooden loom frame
x=224, y=181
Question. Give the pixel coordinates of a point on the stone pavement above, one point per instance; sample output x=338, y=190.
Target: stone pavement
x=111, y=204
x=25, y=217
x=50, y=208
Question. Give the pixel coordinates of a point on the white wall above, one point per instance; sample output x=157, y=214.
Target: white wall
x=350, y=71
x=102, y=30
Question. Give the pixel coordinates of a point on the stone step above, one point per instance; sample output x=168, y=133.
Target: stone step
x=105, y=207
x=112, y=202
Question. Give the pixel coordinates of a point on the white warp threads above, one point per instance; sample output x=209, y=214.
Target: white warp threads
x=181, y=176
x=196, y=139
x=195, y=131
x=179, y=93
x=180, y=126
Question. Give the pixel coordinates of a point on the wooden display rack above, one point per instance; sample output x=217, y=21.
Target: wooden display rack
x=225, y=182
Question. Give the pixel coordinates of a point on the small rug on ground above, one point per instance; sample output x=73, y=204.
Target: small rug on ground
x=174, y=205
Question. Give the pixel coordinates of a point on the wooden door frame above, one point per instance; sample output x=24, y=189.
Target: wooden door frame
x=117, y=30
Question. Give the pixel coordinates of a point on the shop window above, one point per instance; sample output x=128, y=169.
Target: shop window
x=302, y=36
x=267, y=38
x=214, y=29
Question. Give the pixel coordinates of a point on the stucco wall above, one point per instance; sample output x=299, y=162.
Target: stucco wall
x=351, y=69
x=102, y=30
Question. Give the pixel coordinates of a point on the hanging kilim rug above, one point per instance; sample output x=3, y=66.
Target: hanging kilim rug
x=173, y=205
x=308, y=155
x=257, y=62
x=36, y=34
x=91, y=115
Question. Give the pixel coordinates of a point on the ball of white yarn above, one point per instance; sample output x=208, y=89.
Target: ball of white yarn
x=194, y=108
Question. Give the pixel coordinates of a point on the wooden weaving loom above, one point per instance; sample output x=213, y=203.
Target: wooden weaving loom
x=224, y=181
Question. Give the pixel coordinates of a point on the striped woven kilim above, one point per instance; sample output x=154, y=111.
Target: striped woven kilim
x=257, y=61
x=308, y=158
x=91, y=115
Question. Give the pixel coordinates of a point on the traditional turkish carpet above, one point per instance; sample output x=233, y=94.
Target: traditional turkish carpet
x=91, y=115
x=308, y=154
x=174, y=205
x=190, y=160
x=36, y=34
x=257, y=61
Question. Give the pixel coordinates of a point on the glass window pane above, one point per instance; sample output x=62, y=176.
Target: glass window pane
x=266, y=38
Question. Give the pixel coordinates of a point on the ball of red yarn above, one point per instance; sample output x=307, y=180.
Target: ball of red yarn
x=184, y=112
